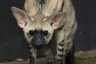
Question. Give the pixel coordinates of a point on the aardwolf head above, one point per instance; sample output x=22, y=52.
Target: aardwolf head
x=38, y=25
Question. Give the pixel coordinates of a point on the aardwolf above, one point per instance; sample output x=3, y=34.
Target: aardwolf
x=49, y=27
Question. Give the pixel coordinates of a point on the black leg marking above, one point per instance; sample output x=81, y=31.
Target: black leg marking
x=60, y=51
x=70, y=58
x=59, y=61
x=32, y=61
x=60, y=55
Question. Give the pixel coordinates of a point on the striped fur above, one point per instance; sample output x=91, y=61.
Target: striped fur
x=44, y=15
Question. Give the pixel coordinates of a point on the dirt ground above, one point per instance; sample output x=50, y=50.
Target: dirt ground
x=82, y=57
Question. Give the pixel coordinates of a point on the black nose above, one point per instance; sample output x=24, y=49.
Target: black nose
x=38, y=41
x=38, y=44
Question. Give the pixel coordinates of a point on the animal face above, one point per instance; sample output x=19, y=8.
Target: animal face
x=38, y=29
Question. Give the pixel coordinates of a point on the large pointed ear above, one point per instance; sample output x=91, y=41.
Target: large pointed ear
x=20, y=16
x=57, y=20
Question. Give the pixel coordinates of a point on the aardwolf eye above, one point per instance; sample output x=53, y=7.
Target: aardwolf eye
x=45, y=33
x=31, y=32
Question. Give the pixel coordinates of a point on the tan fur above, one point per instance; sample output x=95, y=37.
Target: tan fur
x=31, y=7
x=39, y=19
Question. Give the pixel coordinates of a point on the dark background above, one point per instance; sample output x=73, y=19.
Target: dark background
x=12, y=42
